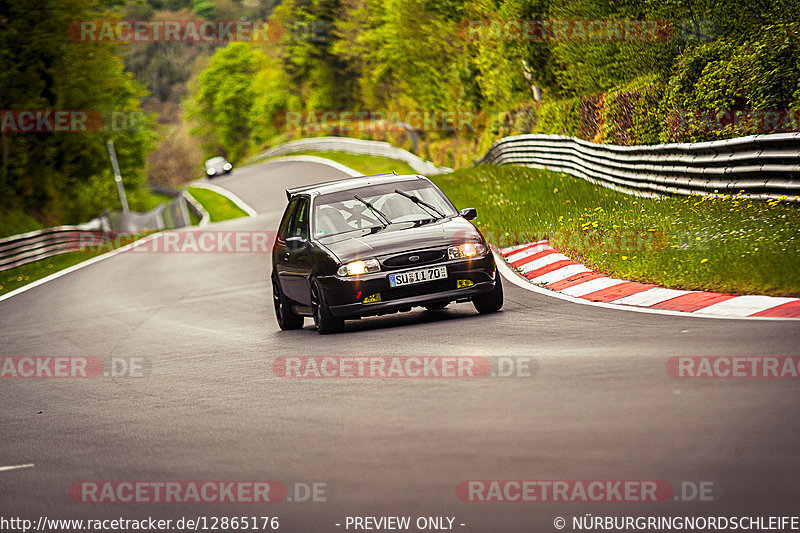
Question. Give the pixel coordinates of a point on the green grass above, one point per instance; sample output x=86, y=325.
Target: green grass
x=22, y=275
x=732, y=244
x=219, y=208
x=14, y=222
x=144, y=200
x=366, y=164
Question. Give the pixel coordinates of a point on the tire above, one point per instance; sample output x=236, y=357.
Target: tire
x=287, y=318
x=324, y=321
x=437, y=306
x=490, y=302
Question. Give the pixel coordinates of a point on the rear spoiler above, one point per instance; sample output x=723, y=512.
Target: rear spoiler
x=291, y=191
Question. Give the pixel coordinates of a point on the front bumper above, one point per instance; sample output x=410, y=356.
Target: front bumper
x=345, y=296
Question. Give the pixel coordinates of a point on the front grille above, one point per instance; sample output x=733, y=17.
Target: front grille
x=418, y=289
x=424, y=257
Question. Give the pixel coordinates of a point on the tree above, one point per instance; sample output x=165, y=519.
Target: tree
x=41, y=68
x=221, y=98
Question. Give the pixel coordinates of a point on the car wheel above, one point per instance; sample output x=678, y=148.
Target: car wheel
x=437, y=306
x=324, y=321
x=287, y=318
x=491, y=301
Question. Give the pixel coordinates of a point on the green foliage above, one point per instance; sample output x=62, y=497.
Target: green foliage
x=713, y=81
x=773, y=68
x=632, y=114
x=272, y=96
x=401, y=53
x=49, y=174
x=323, y=81
x=203, y=8
x=559, y=117
x=407, y=55
x=221, y=100
x=15, y=222
x=712, y=91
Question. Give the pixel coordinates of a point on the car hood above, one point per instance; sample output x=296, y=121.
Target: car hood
x=393, y=240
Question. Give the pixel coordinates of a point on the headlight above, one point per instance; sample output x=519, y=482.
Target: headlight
x=227, y=166
x=359, y=267
x=211, y=171
x=466, y=250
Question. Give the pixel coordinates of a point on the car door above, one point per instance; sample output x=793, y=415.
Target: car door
x=296, y=255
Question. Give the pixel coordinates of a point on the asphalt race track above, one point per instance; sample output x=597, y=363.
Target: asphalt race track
x=601, y=405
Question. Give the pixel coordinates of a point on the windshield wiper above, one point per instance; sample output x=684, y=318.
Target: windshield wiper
x=420, y=201
x=383, y=219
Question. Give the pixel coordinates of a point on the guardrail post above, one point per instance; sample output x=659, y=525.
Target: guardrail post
x=118, y=177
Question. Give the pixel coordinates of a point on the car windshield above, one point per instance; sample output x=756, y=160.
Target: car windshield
x=215, y=161
x=342, y=212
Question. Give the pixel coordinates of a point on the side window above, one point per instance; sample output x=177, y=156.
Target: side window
x=300, y=220
x=283, y=229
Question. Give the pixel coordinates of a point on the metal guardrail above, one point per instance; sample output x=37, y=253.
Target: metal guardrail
x=19, y=250
x=354, y=146
x=25, y=248
x=757, y=166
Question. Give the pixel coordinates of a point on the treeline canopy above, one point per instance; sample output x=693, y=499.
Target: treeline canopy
x=484, y=55
x=65, y=175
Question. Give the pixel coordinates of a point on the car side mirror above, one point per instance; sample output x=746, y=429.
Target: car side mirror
x=296, y=243
x=470, y=213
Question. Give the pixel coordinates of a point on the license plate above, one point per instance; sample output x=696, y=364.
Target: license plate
x=417, y=276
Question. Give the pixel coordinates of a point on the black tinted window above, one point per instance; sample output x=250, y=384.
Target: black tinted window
x=299, y=227
x=287, y=217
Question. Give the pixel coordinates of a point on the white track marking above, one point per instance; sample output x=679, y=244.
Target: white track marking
x=745, y=305
x=509, y=249
x=16, y=467
x=651, y=296
x=542, y=262
x=559, y=274
x=527, y=253
x=320, y=160
x=592, y=285
x=510, y=275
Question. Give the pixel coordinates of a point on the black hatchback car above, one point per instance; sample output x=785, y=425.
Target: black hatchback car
x=373, y=245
